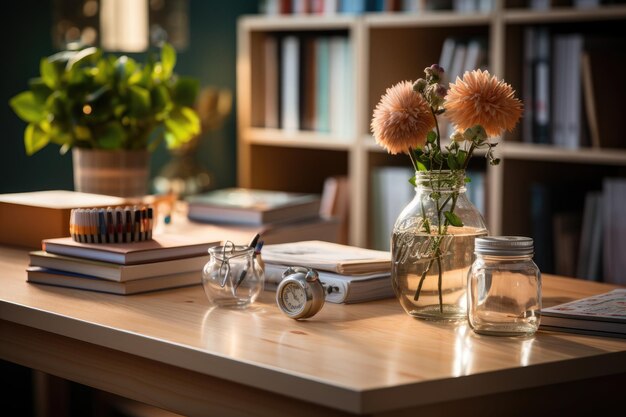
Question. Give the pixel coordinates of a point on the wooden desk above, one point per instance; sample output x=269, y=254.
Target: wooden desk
x=171, y=350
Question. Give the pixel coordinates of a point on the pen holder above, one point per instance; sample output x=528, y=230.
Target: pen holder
x=232, y=277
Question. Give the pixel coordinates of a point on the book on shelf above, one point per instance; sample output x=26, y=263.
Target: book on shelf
x=335, y=203
x=566, y=228
x=391, y=192
x=345, y=288
x=271, y=77
x=40, y=275
x=115, y=272
x=614, y=245
x=328, y=256
x=160, y=248
x=599, y=54
x=27, y=218
x=308, y=76
x=590, y=248
x=340, y=81
x=290, y=82
x=322, y=84
x=600, y=315
x=536, y=85
x=247, y=206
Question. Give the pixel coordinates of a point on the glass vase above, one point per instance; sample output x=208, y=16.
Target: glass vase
x=432, y=247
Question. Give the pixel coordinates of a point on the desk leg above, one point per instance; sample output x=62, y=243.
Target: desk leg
x=51, y=395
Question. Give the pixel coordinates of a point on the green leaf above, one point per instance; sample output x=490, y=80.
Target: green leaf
x=27, y=107
x=452, y=162
x=160, y=98
x=453, y=219
x=49, y=73
x=183, y=124
x=185, y=91
x=34, y=139
x=413, y=181
x=39, y=89
x=168, y=61
x=420, y=166
x=461, y=157
x=112, y=137
x=431, y=137
x=426, y=226
x=91, y=53
x=140, y=102
x=467, y=180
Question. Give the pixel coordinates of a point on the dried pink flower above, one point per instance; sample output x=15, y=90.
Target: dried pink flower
x=402, y=119
x=481, y=99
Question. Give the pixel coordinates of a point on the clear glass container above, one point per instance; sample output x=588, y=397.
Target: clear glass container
x=232, y=277
x=430, y=255
x=504, y=296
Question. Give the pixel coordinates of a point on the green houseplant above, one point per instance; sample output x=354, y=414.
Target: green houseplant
x=111, y=107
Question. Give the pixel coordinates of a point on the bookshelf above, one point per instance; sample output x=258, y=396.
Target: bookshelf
x=387, y=48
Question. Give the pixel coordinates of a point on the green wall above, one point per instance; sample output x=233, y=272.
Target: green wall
x=26, y=37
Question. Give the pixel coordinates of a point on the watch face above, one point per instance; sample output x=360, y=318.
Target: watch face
x=293, y=297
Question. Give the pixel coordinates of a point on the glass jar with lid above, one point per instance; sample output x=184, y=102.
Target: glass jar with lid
x=504, y=287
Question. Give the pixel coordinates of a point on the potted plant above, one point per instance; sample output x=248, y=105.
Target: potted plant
x=111, y=111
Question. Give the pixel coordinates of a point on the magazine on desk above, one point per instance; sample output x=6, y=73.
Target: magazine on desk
x=601, y=315
x=345, y=288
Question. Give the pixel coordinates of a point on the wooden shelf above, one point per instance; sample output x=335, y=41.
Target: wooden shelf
x=565, y=15
x=298, y=139
x=389, y=47
x=427, y=19
x=538, y=152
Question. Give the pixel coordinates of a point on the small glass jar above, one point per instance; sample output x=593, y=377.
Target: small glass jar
x=504, y=287
x=232, y=277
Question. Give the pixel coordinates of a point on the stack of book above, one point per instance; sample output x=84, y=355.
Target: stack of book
x=354, y=274
x=166, y=261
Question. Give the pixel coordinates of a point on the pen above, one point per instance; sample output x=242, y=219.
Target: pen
x=119, y=227
x=110, y=226
x=136, y=224
x=150, y=223
x=254, y=243
x=102, y=227
x=128, y=224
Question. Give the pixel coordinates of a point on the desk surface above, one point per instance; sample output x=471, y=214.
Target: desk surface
x=361, y=358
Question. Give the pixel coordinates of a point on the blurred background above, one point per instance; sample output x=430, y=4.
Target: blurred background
x=204, y=35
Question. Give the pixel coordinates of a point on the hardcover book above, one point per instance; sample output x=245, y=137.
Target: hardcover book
x=327, y=256
x=602, y=315
x=160, y=248
x=27, y=218
x=86, y=282
x=116, y=272
x=252, y=206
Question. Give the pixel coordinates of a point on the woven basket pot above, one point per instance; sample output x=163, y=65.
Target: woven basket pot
x=122, y=173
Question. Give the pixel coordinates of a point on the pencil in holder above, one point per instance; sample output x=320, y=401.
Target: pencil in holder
x=112, y=224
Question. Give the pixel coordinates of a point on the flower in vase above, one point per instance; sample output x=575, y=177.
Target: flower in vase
x=481, y=99
x=402, y=119
x=406, y=120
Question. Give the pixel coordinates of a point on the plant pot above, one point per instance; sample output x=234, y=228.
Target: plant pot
x=122, y=173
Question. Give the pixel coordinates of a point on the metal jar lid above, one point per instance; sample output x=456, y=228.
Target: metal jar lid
x=503, y=245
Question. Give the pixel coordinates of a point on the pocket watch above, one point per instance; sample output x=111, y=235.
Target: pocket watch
x=300, y=294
